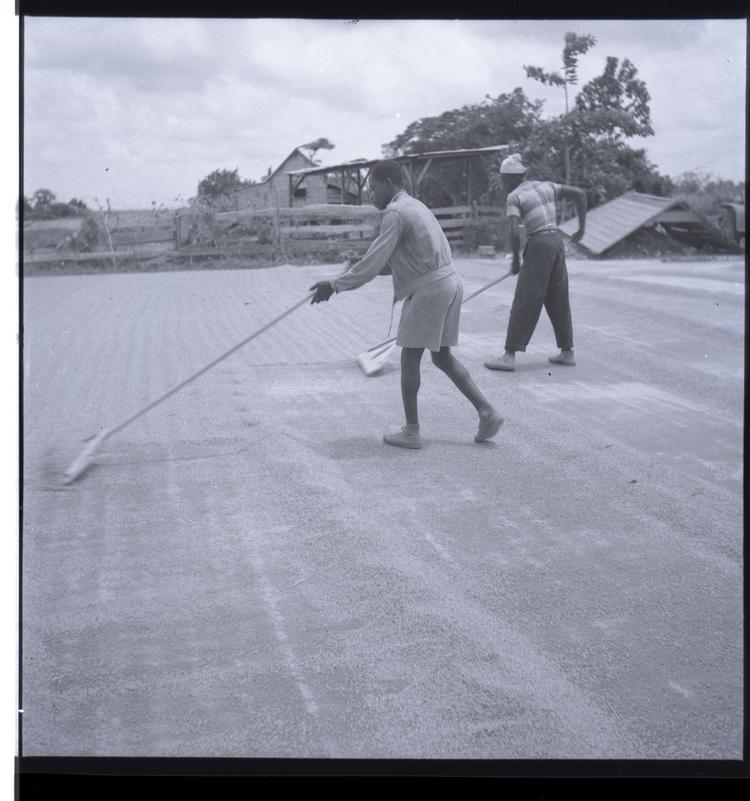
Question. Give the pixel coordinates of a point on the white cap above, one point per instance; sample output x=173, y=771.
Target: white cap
x=512, y=165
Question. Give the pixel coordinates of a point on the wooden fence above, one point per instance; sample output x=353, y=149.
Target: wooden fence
x=456, y=221
x=149, y=232
x=325, y=230
x=313, y=228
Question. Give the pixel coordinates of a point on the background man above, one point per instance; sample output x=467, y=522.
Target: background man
x=412, y=243
x=544, y=277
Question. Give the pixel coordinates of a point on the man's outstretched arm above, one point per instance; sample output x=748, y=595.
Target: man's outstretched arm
x=578, y=196
x=369, y=265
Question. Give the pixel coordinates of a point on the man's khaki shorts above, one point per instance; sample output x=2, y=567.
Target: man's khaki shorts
x=430, y=317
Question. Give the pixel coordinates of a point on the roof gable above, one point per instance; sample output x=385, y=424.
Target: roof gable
x=295, y=152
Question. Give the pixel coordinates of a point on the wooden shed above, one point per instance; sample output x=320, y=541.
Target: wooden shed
x=274, y=190
x=351, y=176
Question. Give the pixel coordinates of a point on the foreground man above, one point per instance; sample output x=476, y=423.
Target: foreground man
x=544, y=277
x=412, y=244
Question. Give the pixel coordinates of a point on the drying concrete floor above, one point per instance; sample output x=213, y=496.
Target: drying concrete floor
x=248, y=571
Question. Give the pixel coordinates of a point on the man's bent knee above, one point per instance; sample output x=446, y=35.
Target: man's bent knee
x=441, y=358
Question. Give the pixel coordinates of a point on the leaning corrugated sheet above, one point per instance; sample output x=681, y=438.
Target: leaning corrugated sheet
x=609, y=224
x=606, y=225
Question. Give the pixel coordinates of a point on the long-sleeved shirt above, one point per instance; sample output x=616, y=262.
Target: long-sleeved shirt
x=411, y=242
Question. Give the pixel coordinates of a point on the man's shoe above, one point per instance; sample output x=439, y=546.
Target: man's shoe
x=503, y=363
x=564, y=357
x=404, y=439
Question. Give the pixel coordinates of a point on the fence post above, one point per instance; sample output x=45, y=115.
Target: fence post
x=106, y=228
x=277, y=236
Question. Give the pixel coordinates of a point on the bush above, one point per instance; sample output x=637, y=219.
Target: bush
x=55, y=211
x=265, y=231
x=705, y=193
x=87, y=238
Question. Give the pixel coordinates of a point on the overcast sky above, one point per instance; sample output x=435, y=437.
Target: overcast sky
x=139, y=110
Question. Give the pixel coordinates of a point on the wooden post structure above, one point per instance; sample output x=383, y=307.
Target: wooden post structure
x=294, y=185
x=422, y=175
x=277, y=236
x=365, y=178
x=343, y=185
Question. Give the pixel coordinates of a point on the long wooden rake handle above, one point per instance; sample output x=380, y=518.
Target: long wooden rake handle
x=487, y=286
x=205, y=369
x=382, y=345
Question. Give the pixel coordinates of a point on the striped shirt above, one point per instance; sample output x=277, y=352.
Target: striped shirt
x=534, y=203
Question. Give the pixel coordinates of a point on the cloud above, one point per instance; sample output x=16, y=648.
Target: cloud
x=150, y=55
x=147, y=107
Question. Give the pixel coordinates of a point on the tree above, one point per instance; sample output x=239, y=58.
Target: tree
x=42, y=198
x=492, y=121
x=219, y=183
x=586, y=145
x=503, y=119
x=605, y=168
x=44, y=206
x=616, y=103
x=318, y=144
x=575, y=46
x=642, y=174
x=705, y=193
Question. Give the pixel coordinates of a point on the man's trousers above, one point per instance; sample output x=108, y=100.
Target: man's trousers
x=542, y=281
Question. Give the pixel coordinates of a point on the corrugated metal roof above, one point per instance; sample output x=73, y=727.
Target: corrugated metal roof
x=606, y=225
x=432, y=154
x=609, y=224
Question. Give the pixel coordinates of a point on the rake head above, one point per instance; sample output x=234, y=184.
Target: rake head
x=84, y=459
x=65, y=462
x=372, y=361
